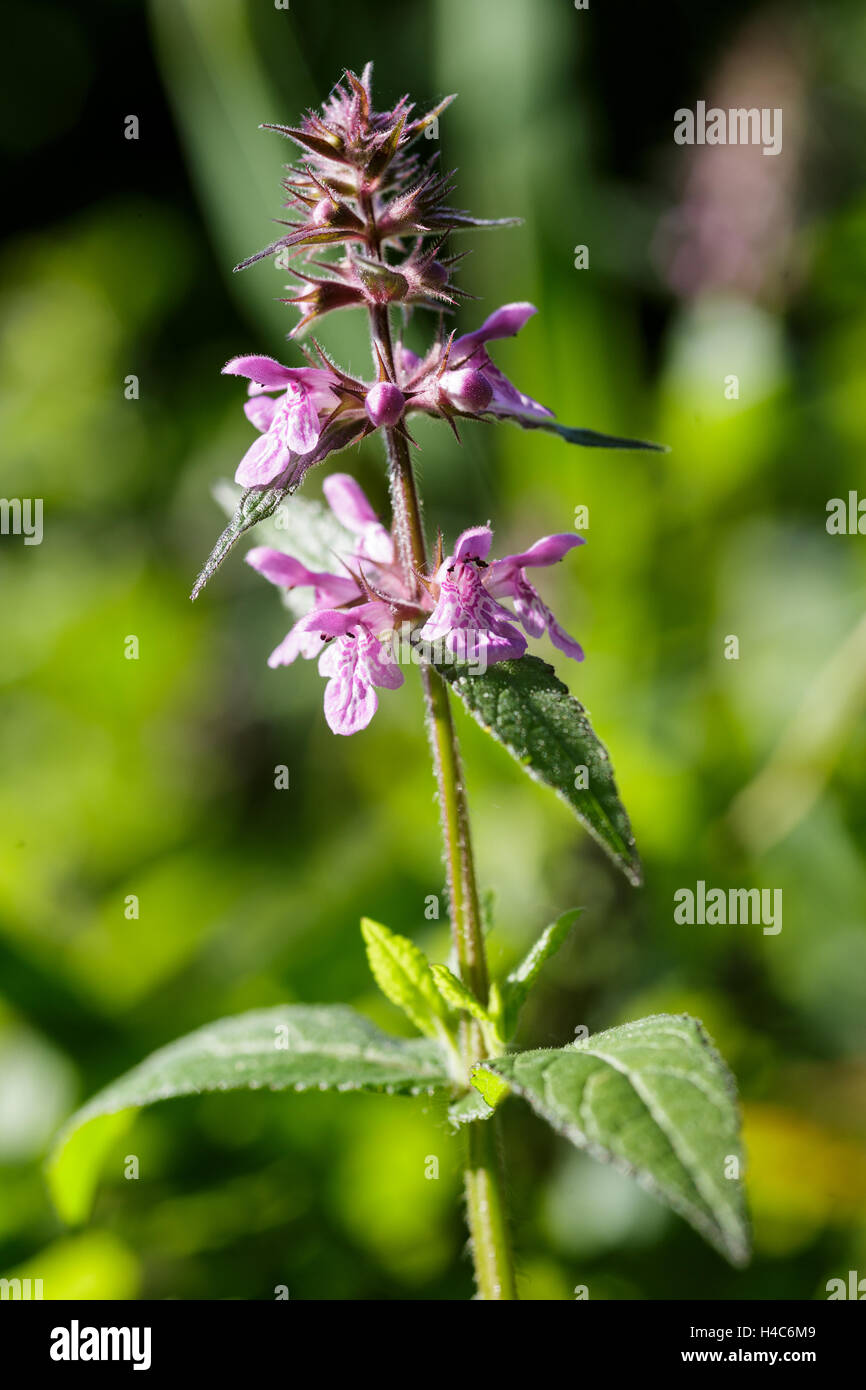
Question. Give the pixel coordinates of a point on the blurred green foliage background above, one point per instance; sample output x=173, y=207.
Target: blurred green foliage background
x=155, y=777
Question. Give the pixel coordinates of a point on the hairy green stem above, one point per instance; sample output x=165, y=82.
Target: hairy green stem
x=486, y=1212
x=485, y=1203
x=457, y=836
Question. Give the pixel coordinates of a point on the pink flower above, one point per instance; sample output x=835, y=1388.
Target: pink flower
x=289, y=573
x=460, y=379
x=355, y=663
x=290, y=424
x=469, y=355
x=467, y=389
x=352, y=654
x=350, y=506
x=384, y=404
x=508, y=577
x=356, y=609
x=473, y=624
x=349, y=631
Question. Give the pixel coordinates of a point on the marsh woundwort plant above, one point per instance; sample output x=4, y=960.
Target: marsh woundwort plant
x=368, y=228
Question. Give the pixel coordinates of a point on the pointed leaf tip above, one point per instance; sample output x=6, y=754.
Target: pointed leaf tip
x=253, y=506
x=517, y=987
x=593, y=439
x=526, y=707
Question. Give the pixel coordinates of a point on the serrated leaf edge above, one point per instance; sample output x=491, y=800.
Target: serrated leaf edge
x=724, y=1235
x=626, y=861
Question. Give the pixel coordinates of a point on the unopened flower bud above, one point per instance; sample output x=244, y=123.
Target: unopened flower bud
x=436, y=273
x=467, y=389
x=384, y=404
x=382, y=282
x=324, y=212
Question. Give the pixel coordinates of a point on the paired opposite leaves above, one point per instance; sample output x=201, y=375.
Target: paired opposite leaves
x=293, y=1047
x=655, y=1099
x=526, y=707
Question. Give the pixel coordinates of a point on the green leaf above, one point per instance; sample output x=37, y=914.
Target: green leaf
x=293, y=1047
x=73, y=1181
x=253, y=506
x=469, y=1108
x=488, y=910
x=303, y=528
x=402, y=972
x=655, y=1099
x=591, y=439
x=455, y=993
x=515, y=990
x=304, y=533
x=588, y=439
x=489, y=1086
x=526, y=707
x=459, y=998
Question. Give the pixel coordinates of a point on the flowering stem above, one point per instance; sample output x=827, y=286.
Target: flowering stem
x=457, y=836
x=485, y=1204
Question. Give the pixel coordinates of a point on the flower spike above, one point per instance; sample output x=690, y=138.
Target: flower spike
x=359, y=609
